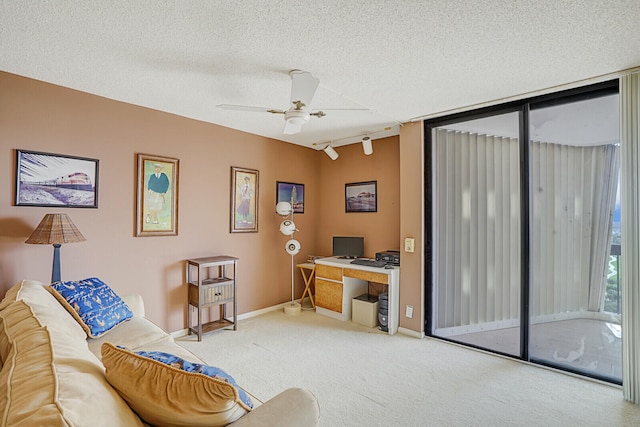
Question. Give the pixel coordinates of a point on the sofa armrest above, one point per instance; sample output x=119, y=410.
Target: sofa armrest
x=294, y=407
x=135, y=304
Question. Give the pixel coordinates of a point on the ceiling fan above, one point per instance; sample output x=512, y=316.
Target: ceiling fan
x=303, y=88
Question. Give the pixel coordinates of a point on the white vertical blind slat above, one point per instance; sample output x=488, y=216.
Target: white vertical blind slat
x=474, y=309
x=465, y=236
x=445, y=269
x=491, y=230
x=457, y=214
x=481, y=251
x=589, y=180
x=630, y=231
x=499, y=223
x=515, y=230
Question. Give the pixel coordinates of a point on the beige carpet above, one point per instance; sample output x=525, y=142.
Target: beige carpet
x=362, y=377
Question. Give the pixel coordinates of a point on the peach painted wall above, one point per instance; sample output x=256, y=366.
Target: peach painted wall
x=411, y=220
x=43, y=117
x=380, y=229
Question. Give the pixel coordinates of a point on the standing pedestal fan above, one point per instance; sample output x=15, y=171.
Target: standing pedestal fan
x=288, y=228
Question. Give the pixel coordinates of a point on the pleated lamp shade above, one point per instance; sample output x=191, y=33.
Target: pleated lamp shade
x=55, y=229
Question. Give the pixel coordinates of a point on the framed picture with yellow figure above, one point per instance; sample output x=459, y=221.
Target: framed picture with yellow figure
x=157, y=196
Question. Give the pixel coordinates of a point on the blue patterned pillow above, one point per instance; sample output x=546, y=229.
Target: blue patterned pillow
x=210, y=371
x=93, y=304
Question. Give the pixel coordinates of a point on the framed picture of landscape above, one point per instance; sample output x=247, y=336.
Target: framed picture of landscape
x=361, y=197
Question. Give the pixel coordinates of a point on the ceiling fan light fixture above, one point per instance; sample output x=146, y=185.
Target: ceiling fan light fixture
x=333, y=154
x=367, y=145
x=297, y=117
x=303, y=89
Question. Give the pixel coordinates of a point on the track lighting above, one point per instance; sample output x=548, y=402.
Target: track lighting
x=367, y=145
x=333, y=154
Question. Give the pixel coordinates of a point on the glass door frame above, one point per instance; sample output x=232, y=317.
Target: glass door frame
x=523, y=107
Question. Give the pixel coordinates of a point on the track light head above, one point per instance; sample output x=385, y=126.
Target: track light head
x=333, y=154
x=367, y=145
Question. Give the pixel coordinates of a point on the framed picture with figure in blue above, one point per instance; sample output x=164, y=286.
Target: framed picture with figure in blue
x=157, y=196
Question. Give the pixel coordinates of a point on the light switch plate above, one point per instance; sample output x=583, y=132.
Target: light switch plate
x=409, y=244
x=409, y=311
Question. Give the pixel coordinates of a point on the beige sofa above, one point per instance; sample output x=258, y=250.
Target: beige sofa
x=52, y=374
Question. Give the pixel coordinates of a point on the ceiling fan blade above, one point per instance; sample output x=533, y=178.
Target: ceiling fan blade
x=364, y=110
x=291, y=128
x=303, y=86
x=248, y=108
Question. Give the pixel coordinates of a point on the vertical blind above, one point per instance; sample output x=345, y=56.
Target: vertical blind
x=573, y=192
x=630, y=230
x=476, y=230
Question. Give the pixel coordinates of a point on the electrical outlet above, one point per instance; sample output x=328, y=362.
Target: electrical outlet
x=409, y=311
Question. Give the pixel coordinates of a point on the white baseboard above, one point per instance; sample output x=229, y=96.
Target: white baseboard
x=262, y=311
x=183, y=332
x=411, y=332
x=179, y=334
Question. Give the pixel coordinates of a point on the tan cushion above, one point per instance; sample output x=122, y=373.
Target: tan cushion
x=45, y=306
x=167, y=396
x=132, y=334
x=48, y=379
x=135, y=304
x=169, y=346
x=293, y=407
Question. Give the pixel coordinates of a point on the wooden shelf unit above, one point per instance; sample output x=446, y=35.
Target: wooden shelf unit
x=210, y=285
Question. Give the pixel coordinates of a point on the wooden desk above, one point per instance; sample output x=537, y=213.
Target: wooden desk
x=338, y=282
x=308, y=271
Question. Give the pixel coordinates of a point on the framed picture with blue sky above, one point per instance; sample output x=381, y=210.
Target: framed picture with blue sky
x=292, y=193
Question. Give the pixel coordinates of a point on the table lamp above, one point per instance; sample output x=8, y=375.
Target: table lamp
x=55, y=229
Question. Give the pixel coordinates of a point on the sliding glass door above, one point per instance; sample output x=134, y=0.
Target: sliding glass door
x=574, y=158
x=477, y=232
x=523, y=230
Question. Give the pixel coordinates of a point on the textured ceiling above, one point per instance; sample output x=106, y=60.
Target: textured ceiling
x=400, y=59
